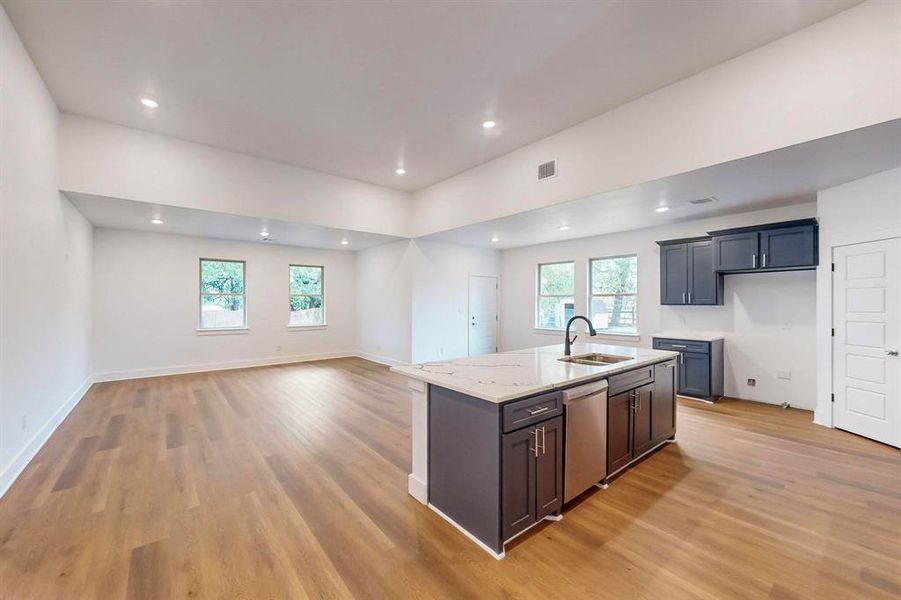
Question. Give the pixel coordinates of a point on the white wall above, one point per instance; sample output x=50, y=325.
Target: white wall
x=384, y=302
x=768, y=319
x=110, y=160
x=413, y=299
x=837, y=75
x=146, y=305
x=45, y=269
x=863, y=210
x=441, y=296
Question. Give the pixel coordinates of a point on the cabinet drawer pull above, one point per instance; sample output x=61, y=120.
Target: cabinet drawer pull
x=543, y=442
x=678, y=345
x=764, y=260
x=753, y=261
x=538, y=411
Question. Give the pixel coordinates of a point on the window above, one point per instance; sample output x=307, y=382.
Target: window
x=222, y=294
x=556, y=289
x=305, y=291
x=613, y=294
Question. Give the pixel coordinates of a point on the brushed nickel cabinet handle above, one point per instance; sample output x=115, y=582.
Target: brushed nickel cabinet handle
x=535, y=448
x=678, y=345
x=683, y=297
x=689, y=297
x=764, y=260
x=753, y=261
x=543, y=441
x=538, y=411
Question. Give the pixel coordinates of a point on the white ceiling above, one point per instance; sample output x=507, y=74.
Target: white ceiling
x=357, y=88
x=116, y=213
x=782, y=177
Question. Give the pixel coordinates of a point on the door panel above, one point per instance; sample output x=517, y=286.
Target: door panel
x=642, y=439
x=788, y=247
x=703, y=281
x=673, y=274
x=482, y=315
x=663, y=404
x=694, y=374
x=735, y=252
x=549, y=468
x=866, y=307
x=518, y=481
x=619, y=431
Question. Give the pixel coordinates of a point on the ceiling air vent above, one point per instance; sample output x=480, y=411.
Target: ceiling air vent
x=547, y=170
x=707, y=200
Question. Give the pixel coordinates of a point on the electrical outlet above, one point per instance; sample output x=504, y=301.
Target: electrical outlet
x=24, y=422
x=784, y=374
x=752, y=382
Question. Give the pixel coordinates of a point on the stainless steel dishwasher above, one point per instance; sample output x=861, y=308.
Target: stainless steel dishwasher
x=586, y=437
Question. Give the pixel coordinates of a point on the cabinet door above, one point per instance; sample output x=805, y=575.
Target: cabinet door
x=673, y=274
x=788, y=247
x=642, y=441
x=703, y=281
x=518, y=502
x=619, y=431
x=663, y=404
x=549, y=468
x=694, y=374
x=736, y=252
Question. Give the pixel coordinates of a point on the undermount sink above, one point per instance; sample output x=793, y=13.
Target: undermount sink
x=595, y=359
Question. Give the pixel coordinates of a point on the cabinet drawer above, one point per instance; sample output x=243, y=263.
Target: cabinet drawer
x=681, y=345
x=532, y=410
x=630, y=380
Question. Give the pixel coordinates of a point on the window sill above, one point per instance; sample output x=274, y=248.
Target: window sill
x=548, y=331
x=229, y=331
x=631, y=337
x=307, y=327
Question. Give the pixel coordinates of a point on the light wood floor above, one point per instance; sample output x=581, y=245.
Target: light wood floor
x=290, y=482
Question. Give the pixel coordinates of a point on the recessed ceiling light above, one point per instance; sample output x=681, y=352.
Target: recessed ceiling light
x=488, y=124
x=344, y=242
x=661, y=209
x=156, y=221
x=149, y=102
x=264, y=233
x=495, y=240
x=400, y=170
x=564, y=227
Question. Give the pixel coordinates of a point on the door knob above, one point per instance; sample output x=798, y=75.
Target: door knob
x=891, y=352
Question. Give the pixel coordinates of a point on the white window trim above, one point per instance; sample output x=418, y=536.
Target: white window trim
x=321, y=294
x=606, y=332
x=200, y=296
x=539, y=295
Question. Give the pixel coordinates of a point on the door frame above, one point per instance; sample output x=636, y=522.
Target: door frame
x=497, y=309
x=825, y=409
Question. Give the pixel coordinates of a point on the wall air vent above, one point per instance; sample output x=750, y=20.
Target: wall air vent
x=547, y=170
x=707, y=200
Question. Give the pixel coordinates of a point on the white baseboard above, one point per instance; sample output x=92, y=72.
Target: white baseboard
x=218, y=366
x=381, y=359
x=12, y=471
x=418, y=488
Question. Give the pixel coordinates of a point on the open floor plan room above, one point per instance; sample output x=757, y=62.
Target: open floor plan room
x=455, y=299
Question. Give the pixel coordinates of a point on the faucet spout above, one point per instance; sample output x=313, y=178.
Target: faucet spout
x=567, y=342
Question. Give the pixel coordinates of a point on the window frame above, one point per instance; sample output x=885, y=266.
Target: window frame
x=243, y=295
x=539, y=295
x=592, y=295
x=321, y=295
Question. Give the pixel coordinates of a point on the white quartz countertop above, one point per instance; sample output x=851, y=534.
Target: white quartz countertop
x=509, y=375
x=697, y=336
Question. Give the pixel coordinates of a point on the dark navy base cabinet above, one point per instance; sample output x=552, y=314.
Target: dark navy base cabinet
x=699, y=367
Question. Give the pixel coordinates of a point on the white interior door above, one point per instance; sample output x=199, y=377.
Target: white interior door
x=482, y=314
x=867, y=320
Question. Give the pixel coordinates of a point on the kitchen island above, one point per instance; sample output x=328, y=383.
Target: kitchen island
x=488, y=432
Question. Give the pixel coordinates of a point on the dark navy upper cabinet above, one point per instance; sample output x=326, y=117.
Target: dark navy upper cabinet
x=674, y=274
x=736, y=251
x=787, y=246
x=705, y=285
x=686, y=273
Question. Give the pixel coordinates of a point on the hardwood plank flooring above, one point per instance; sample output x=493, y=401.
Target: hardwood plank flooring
x=290, y=482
